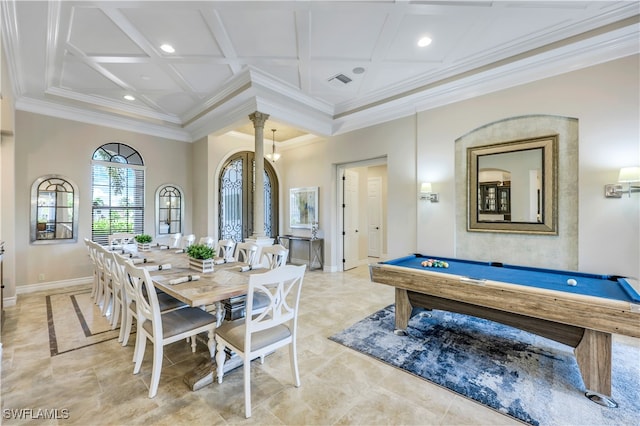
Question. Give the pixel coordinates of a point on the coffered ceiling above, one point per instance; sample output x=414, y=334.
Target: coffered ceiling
x=316, y=67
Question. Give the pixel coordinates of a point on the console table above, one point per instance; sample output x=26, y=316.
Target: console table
x=315, y=249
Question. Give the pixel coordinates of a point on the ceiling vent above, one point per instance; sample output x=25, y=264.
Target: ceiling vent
x=341, y=78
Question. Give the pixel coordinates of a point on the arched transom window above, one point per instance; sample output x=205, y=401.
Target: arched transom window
x=117, y=183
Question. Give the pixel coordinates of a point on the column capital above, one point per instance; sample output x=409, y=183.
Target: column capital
x=258, y=118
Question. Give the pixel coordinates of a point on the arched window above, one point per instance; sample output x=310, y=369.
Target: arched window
x=236, y=183
x=54, y=210
x=117, y=184
x=169, y=214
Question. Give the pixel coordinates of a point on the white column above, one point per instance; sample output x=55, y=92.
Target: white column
x=258, y=119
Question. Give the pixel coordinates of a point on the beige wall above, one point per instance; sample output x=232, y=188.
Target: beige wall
x=605, y=101
x=46, y=145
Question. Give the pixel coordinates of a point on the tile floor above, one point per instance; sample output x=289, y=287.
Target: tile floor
x=94, y=385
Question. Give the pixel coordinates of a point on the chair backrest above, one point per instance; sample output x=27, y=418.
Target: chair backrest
x=129, y=293
x=117, y=273
x=91, y=248
x=225, y=250
x=188, y=240
x=107, y=260
x=120, y=239
x=246, y=253
x=207, y=241
x=99, y=254
x=175, y=240
x=282, y=288
x=274, y=256
x=147, y=306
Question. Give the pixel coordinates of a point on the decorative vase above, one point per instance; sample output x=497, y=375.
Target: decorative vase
x=144, y=246
x=201, y=265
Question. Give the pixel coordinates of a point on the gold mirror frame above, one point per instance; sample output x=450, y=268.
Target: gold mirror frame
x=549, y=196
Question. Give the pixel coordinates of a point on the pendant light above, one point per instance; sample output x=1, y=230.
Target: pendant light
x=274, y=156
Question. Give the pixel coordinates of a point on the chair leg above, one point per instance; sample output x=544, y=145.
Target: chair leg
x=247, y=386
x=138, y=352
x=220, y=358
x=125, y=329
x=106, y=302
x=115, y=316
x=157, y=367
x=294, y=363
x=99, y=292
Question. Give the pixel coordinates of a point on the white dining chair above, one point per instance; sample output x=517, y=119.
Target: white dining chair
x=207, y=241
x=166, y=302
x=117, y=286
x=175, y=240
x=187, y=241
x=91, y=248
x=106, y=257
x=260, y=334
x=274, y=256
x=120, y=239
x=166, y=328
x=99, y=254
x=246, y=253
x=224, y=251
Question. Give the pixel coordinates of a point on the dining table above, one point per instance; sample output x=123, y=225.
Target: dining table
x=171, y=273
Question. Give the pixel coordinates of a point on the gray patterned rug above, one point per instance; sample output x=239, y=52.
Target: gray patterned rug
x=525, y=376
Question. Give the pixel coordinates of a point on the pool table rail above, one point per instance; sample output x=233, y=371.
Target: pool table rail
x=601, y=314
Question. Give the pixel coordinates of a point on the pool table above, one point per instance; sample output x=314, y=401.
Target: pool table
x=537, y=300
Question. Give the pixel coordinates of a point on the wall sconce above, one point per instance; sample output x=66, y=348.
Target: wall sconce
x=628, y=175
x=427, y=194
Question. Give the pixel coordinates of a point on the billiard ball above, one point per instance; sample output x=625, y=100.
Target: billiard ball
x=572, y=282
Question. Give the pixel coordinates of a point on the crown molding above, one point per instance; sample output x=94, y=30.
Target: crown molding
x=604, y=48
x=111, y=105
x=424, y=82
x=100, y=118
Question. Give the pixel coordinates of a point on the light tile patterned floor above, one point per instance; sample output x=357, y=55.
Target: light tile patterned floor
x=94, y=385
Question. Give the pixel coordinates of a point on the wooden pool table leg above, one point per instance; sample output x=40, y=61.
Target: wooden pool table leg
x=593, y=354
x=403, y=311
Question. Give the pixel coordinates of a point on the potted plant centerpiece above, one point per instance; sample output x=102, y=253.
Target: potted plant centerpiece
x=201, y=257
x=144, y=242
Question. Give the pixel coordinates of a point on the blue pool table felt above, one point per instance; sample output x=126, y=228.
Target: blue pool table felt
x=605, y=286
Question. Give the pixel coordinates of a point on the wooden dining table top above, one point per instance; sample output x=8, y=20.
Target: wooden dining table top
x=224, y=282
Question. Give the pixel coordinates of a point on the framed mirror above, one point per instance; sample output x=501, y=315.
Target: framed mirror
x=512, y=186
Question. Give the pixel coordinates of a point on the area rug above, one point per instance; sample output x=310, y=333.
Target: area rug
x=75, y=321
x=527, y=377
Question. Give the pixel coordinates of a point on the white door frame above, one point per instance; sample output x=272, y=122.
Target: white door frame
x=379, y=161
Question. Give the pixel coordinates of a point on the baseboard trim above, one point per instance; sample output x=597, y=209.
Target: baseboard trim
x=32, y=288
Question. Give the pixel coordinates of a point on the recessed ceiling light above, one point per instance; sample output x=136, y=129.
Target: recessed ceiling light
x=129, y=98
x=358, y=70
x=167, y=48
x=145, y=77
x=424, y=41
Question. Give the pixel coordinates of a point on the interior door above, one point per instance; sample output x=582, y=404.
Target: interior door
x=374, y=217
x=350, y=223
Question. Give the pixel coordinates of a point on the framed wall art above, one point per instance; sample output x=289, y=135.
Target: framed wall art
x=303, y=207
